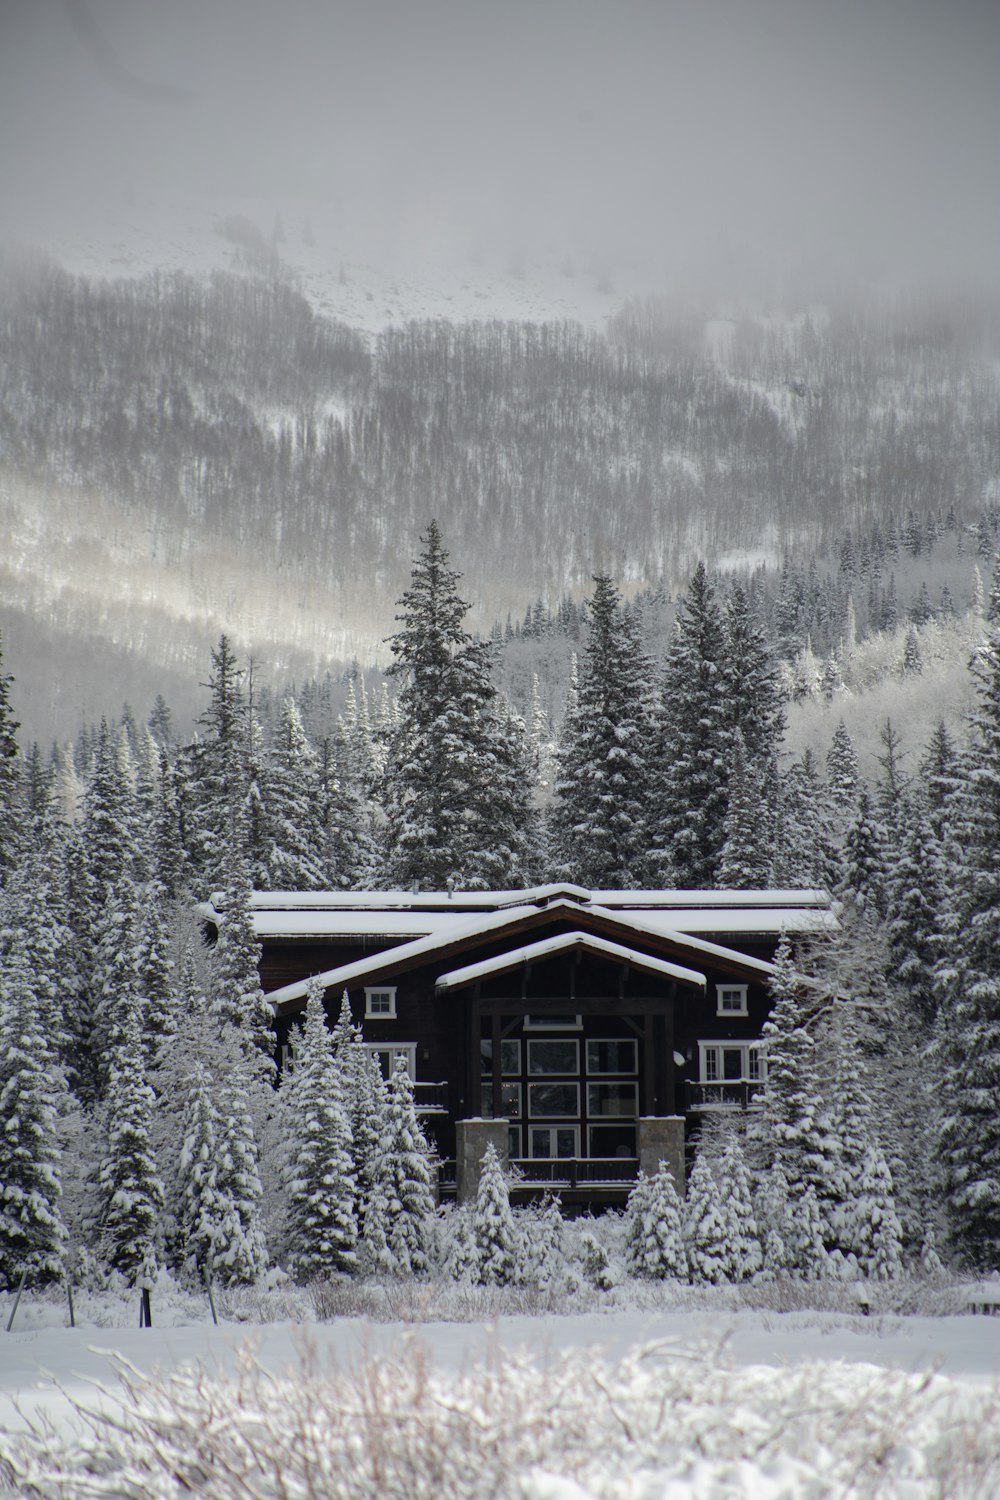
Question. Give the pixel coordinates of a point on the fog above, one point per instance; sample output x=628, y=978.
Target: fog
x=712, y=142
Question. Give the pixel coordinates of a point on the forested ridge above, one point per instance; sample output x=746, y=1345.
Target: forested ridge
x=141, y=1126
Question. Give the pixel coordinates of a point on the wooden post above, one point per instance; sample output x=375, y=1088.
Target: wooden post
x=69, y=1299
x=211, y=1298
x=145, y=1309
x=20, y=1289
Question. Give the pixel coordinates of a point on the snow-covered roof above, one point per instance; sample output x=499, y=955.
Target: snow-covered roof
x=485, y=924
x=547, y=947
x=408, y=914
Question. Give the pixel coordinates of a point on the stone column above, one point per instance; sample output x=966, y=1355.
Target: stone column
x=472, y=1139
x=661, y=1138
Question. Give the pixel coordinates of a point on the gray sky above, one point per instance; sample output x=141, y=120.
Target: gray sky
x=854, y=137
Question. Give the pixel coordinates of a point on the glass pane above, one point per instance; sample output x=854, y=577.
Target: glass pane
x=611, y=1099
x=553, y=1099
x=513, y=1140
x=486, y=1056
x=565, y=1142
x=732, y=1063
x=510, y=1057
x=611, y=1057
x=552, y=1023
x=612, y=1140
x=711, y=1064
x=553, y=1057
x=753, y=1061
x=540, y=1142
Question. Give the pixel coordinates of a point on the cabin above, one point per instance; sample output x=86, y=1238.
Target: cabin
x=584, y=1032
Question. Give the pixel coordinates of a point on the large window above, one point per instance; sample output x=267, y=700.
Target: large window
x=553, y=1057
x=510, y=1057
x=612, y=1056
x=561, y=1100
x=510, y=1101
x=619, y=1099
x=558, y=1141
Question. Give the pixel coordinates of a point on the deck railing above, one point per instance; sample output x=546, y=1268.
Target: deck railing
x=725, y=1094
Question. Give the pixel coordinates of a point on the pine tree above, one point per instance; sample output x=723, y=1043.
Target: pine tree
x=236, y=995
x=215, y=769
x=542, y=1247
x=654, y=1229
x=458, y=806
x=805, y=855
x=877, y=1231
x=743, y=1248
x=690, y=789
x=600, y=813
x=499, y=1252
x=322, y=1188
x=11, y=796
x=131, y=1189
x=296, y=859
x=864, y=860
x=31, y=1230
x=771, y=1210
x=399, y=1219
x=842, y=771
x=705, y=1230
x=745, y=861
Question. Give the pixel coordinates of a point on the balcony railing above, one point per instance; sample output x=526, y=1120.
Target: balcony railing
x=430, y=1098
x=723, y=1094
x=570, y=1171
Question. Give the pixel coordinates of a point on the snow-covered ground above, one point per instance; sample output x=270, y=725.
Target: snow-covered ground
x=761, y=1403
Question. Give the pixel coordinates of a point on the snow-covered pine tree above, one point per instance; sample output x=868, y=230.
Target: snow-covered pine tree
x=805, y=854
x=399, y=1218
x=690, y=785
x=131, y=1189
x=600, y=813
x=746, y=858
x=705, y=1229
x=771, y=1212
x=351, y=858
x=744, y=1256
x=457, y=800
x=31, y=1229
x=235, y=995
x=806, y=1239
x=654, y=1229
x=541, y=1233
x=499, y=1251
x=322, y=1227
x=843, y=775
x=864, y=860
x=967, y=1049
x=11, y=792
x=877, y=1232
x=914, y=901
x=296, y=859
x=214, y=769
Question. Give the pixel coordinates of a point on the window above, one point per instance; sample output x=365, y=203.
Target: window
x=611, y=1057
x=387, y=1056
x=510, y=1058
x=553, y=1023
x=380, y=1005
x=558, y=1099
x=731, y=999
x=619, y=1099
x=553, y=1057
x=613, y=1141
x=513, y=1141
x=510, y=1101
x=559, y=1141
x=731, y=1062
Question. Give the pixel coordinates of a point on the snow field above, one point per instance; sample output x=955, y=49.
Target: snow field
x=531, y=1408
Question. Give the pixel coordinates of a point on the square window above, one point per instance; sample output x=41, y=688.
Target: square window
x=380, y=1004
x=616, y=1099
x=611, y=1056
x=553, y=1099
x=553, y=1057
x=510, y=1058
x=731, y=999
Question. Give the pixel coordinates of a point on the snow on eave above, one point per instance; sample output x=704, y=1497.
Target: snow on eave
x=404, y=955
x=548, y=947
x=666, y=900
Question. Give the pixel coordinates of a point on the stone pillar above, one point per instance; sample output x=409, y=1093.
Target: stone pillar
x=661, y=1138
x=472, y=1139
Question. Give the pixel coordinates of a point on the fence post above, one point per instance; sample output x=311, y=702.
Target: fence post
x=211, y=1299
x=69, y=1299
x=20, y=1289
x=145, y=1309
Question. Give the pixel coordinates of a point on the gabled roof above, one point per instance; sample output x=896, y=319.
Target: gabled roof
x=461, y=935
x=514, y=958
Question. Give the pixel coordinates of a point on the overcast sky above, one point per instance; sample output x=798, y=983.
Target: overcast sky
x=858, y=136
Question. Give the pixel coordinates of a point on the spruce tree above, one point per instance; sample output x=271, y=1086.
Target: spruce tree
x=743, y=1248
x=690, y=786
x=600, y=812
x=31, y=1230
x=458, y=806
x=877, y=1232
x=236, y=996
x=130, y=1185
x=499, y=1252
x=654, y=1229
x=705, y=1229
x=295, y=861
x=399, y=1218
x=11, y=792
x=322, y=1230
x=214, y=770
x=745, y=861
x=843, y=774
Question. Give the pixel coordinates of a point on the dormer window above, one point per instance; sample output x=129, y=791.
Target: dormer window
x=731, y=999
x=380, y=1004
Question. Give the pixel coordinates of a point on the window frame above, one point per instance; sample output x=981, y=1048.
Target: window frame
x=729, y=989
x=371, y=990
x=535, y=1022
x=486, y=1062
x=602, y=1041
x=571, y=1114
x=395, y=1049
x=573, y=1072
x=599, y=1116
x=551, y=1130
x=752, y=1046
x=487, y=1091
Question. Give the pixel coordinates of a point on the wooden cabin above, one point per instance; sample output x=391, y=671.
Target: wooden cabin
x=584, y=1032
